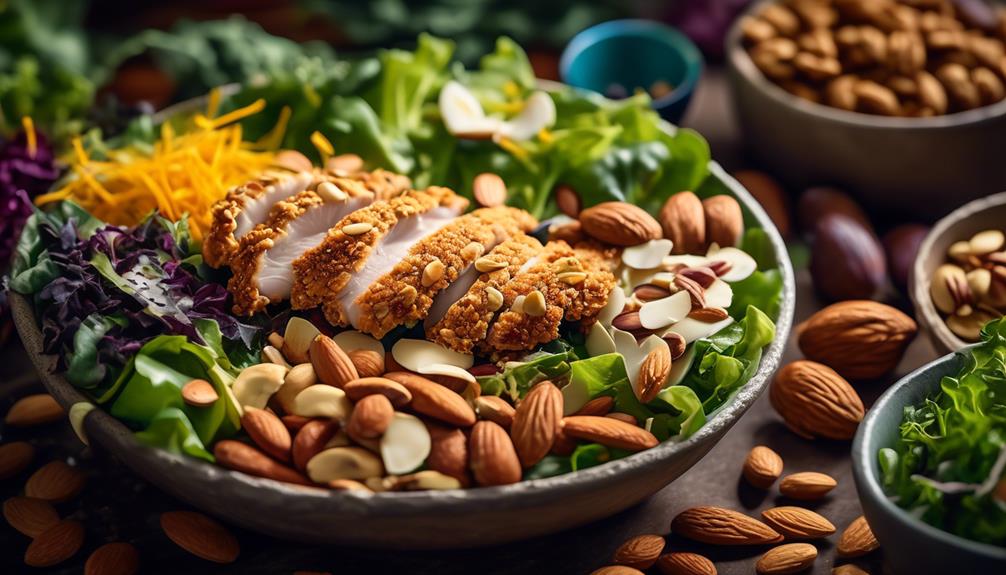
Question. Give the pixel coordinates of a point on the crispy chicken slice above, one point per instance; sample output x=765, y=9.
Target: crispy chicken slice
x=461, y=314
x=404, y=291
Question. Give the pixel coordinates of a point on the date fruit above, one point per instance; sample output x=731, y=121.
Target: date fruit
x=901, y=245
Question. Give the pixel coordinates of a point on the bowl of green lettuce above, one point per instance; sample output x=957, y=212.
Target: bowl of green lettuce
x=929, y=461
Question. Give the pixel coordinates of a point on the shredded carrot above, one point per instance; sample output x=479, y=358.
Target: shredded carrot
x=30, y=135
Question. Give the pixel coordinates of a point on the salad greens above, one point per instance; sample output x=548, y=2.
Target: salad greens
x=950, y=459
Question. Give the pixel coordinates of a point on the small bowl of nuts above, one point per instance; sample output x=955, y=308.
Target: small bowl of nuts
x=896, y=100
x=958, y=281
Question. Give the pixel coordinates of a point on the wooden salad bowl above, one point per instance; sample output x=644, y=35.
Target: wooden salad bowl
x=426, y=519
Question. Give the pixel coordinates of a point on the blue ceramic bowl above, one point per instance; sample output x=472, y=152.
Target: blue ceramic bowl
x=634, y=53
x=910, y=545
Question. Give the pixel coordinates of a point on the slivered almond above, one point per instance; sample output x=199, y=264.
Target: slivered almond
x=201, y=536
x=32, y=410
x=609, y=432
x=29, y=515
x=448, y=452
x=720, y=526
x=785, y=559
x=15, y=457
x=487, y=264
x=118, y=558
x=247, y=459
x=357, y=229
x=347, y=485
x=857, y=539
x=495, y=409
x=55, y=481
x=807, y=485
x=56, y=544
x=436, y=401
x=311, y=440
x=762, y=467
x=199, y=393
x=489, y=190
x=370, y=418
x=797, y=523
x=268, y=432
x=492, y=456
x=640, y=552
x=535, y=422
x=653, y=373
x=394, y=391
x=345, y=163
x=685, y=564
x=331, y=364
x=368, y=362
x=597, y=406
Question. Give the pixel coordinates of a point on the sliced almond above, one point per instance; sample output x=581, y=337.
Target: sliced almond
x=599, y=341
x=29, y=515
x=608, y=432
x=538, y=113
x=663, y=312
x=352, y=340
x=322, y=401
x=648, y=255
x=256, y=384
x=298, y=379
x=719, y=294
x=797, y=523
x=199, y=393
x=720, y=526
x=693, y=330
x=615, y=306
x=742, y=265
x=463, y=114
x=56, y=482
x=405, y=444
x=297, y=339
x=37, y=409
x=272, y=355
x=344, y=463
x=427, y=480
x=78, y=412
x=56, y=544
x=417, y=354
x=201, y=536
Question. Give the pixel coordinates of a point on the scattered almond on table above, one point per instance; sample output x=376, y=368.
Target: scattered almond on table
x=762, y=467
x=788, y=558
x=640, y=552
x=201, y=536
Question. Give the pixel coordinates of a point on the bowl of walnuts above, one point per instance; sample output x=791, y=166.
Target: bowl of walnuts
x=901, y=101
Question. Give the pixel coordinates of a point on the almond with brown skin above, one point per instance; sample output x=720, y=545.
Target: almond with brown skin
x=848, y=569
x=448, y=452
x=762, y=467
x=495, y=409
x=857, y=539
x=247, y=459
x=32, y=410
x=786, y=559
x=492, y=456
x=331, y=364
x=860, y=339
x=815, y=401
x=489, y=190
x=653, y=373
x=567, y=200
x=15, y=457
x=720, y=526
x=199, y=393
x=724, y=220
x=30, y=516
x=394, y=391
x=597, y=406
x=617, y=570
x=436, y=401
x=770, y=195
x=625, y=417
x=200, y=536
x=294, y=423
x=56, y=544
x=608, y=432
x=268, y=432
x=56, y=482
x=118, y=558
x=685, y=564
x=683, y=221
x=807, y=485
x=640, y=552
x=368, y=362
x=370, y=418
x=311, y=440
x=619, y=224
x=535, y=422
x=797, y=523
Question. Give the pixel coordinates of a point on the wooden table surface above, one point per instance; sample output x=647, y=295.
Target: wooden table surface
x=116, y=505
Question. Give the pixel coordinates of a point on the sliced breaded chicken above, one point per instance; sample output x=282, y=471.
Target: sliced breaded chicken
x=263, y=263
x=561, y=283
x=377, y=236
x=403, y=292
x=458, y=319
x=245, y=207
x=383, y=183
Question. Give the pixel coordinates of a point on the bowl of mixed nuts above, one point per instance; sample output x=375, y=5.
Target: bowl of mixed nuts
x=896, y=100
x=958, y=280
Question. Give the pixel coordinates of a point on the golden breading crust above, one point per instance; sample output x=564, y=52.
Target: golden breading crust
x=383, y=183
x=467, y=321
x=575, y=284
x=401, y=296
x=321, y=272
x=220, y=243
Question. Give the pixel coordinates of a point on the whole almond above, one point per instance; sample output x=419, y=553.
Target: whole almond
x=796, y=523
x=857, y=539
x=268, y=432
x=685, y=564
x=848, y=569
x=118, y=558
x=56, y=544
x=720, y=526
x=448, y=452
x=653, y=373
x=785, y=559
x=807, y=485
x=331, y=364
x=815, y=401
x=683, y=220
x=200, y=536
x=495, y=409
x=535, y=422
x=617, y=570
x=724, y=220
x=32, y=410
x=567, y=200
x=640, y=552
x=624, y=417
x=247, y=459
x=492, y=456
x=434, y=400
x=489, y=190
x=762, y=467
x=311, y=440
x=15, y=457
x=30, y=516
x=368, y=362
x=608, y=432
x=394, y=391
x=860, y=339
x=199, y=393
x=370, y=418
x=597, y=406
x=56, y=482
x=294, y=423
x=619, y=224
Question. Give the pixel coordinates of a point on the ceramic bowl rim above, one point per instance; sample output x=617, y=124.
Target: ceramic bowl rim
x=864, y=451
x=739, y=60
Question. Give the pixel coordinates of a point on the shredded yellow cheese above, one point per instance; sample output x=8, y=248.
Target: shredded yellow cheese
x=30, y=135
x=323, y=145
x=186, y=173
